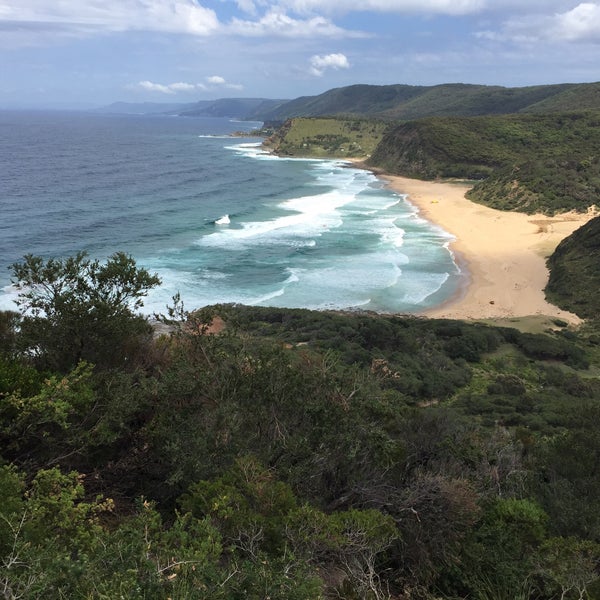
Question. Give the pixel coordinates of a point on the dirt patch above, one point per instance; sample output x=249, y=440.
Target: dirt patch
x=216, y=326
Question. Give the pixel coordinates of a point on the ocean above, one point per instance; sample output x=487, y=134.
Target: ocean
x=218, y=219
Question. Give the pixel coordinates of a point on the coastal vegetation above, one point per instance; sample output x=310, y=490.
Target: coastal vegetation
x=528, y=163
x=327, y=137
x=391, y=102
x=289, y=454
x=408, y=102
x=575, y=272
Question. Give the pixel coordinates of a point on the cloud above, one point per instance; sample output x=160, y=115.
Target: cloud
x=185, y=87
x=247, y=6
x=176, y=16
x=76, y=17
x=319, y=64
x=155, y=87
x=218, y=81
x=449, y=7
x=277, y=23
x=581, y=23
x=213, y=82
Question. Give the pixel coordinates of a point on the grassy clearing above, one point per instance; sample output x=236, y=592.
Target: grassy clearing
x=327, y=138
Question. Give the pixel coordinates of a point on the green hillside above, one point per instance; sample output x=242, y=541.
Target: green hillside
x=473, y=100
x=395, y=102
x=355, y=99
x=585, y=96
x=414, y=102
x=574, y=282
x=238, y=108
x=530, y=163
x=332, y=137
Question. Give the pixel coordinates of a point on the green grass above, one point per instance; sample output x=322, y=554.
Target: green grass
x=343, y=137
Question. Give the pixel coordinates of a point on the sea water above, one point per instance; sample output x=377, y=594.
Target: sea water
x=217, y=218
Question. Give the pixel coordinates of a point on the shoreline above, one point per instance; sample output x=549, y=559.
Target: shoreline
x=502, y=254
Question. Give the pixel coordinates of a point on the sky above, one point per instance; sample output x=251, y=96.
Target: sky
x=88, y=53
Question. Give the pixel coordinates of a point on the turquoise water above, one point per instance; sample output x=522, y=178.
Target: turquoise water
x=217, y=218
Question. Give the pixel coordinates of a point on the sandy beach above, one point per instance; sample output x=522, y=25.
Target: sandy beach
x=502, y=253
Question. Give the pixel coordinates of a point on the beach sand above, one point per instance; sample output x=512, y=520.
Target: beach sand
x=503, y=254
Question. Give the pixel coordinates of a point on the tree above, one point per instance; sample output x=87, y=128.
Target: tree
x=569, y=565
x=9, y=321
x=498, y=557
x=49, y=533
x=36, y=428
x=80, y=309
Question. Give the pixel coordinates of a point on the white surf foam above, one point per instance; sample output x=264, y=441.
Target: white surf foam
x=427, y=285
x=369, y=248
x=267, y=297
x=8, y=298
x=256, y=151
x=309, y=216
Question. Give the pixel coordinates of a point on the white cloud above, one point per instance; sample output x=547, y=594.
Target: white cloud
x=213, y=82
x=449, y=7
x=185, y=87
x=428, y=7
x=155, y=87
x=216, y=79
x=319, y=64
x=581, y=23
x=180, y=16
x=67, y=17
x=247, y=6
x=277, y=23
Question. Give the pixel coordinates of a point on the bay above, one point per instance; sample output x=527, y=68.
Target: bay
x=217, y=218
